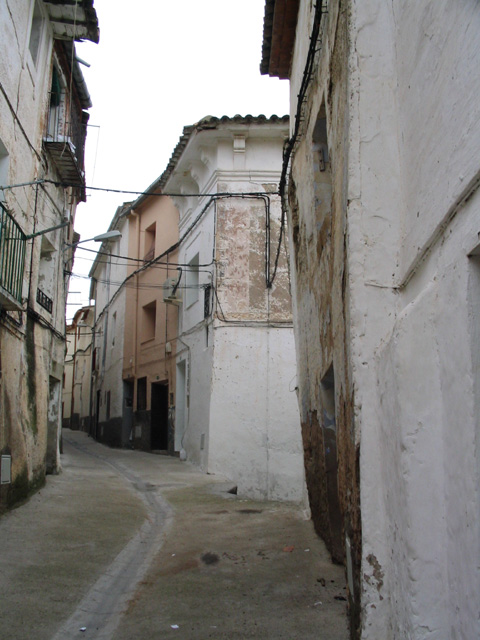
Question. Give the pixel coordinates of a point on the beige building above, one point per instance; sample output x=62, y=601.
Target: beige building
x=150, y=342
x=76, y=406
x=135, y=328
x=43, y=119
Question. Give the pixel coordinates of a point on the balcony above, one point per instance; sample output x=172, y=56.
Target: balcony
x=12, y=261
x=44, y=301
x=65, y=141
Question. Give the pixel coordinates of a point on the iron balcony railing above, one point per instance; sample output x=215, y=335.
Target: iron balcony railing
x=12, y=260
x=44, y=301
x=65, y=140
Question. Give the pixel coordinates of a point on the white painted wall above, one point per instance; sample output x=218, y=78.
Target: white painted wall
x=239, y=404
x=197, y=346
x=254, y=424
x=414, y=301
x=412, y=292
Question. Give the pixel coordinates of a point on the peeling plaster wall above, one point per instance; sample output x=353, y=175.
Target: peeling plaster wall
x=320, y=277
x=242, y=416
x=401, y=92
x=254, y=423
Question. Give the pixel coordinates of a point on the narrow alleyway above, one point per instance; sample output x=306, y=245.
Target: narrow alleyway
x=127, y=545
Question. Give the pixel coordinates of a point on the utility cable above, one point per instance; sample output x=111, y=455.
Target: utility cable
x=290, y=145
x=66, y=185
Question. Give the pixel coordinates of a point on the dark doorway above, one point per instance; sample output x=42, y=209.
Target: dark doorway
x=159, y=417
x=97, y=414
x=127, y=416
x=329, y=420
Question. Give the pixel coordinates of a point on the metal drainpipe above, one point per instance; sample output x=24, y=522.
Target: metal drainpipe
x=72, y=401
x=135, y=314
x=105, y=322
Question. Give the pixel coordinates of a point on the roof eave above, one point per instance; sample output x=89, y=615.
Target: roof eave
x=73, y=20
x=279, y=27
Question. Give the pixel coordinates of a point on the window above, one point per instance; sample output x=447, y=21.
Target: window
x=36, y=32
x=114, y=327
x=4, y=163
x=322, y=179
x=149, y=321
x=149, y=252
x=46, y=276
x=56, y=113
x=192, y=281
x=108, y=405
x=95, y=358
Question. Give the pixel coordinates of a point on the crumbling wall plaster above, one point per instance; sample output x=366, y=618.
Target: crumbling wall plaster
x=318, y=248
x=390, y=298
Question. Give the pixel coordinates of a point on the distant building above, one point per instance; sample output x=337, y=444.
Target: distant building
x=150, y=343
x=43, y=119
x=235, y=412
x=108, y=274
x=76, y=406
x=381, y=176
x=204, y=361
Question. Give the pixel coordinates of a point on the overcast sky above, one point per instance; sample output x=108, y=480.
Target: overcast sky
x=161, y=65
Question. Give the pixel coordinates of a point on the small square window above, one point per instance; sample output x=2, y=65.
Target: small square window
x=149, y=321
x=36, y=32
x=4, y=163
x=192, y=281
x=150, y=235
x=114, y=327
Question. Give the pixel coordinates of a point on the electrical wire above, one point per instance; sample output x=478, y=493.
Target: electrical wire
x=65, y=185
x=115, y=255
x=290, y=145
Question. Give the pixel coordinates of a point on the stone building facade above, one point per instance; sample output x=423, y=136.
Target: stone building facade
x=43, y=118
x=77, y=378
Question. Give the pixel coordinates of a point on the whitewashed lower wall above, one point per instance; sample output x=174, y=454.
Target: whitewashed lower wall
x=196, y=401
x=255, y=436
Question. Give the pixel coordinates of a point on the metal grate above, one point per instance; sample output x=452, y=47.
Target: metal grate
x=44, y=301
x=12, y=256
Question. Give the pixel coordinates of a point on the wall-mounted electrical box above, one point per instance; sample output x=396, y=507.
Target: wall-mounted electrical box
x=171, y=293
x=5, y=469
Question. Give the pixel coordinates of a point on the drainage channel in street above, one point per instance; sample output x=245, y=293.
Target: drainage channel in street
x=100, y=611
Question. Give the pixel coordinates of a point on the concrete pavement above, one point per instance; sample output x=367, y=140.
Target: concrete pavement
x=128, y=545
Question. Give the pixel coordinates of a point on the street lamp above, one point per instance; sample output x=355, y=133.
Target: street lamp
x=103, y=237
